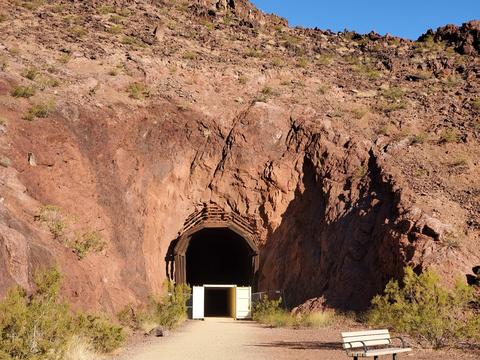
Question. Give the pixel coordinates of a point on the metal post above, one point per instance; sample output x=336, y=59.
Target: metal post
x=394, y=356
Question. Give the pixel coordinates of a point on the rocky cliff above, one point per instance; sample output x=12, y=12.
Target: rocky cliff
x=353, y=155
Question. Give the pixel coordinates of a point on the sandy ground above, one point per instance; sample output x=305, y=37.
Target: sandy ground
x=226, y=339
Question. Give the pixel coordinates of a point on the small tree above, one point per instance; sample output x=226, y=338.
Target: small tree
x=423, y=308
x=172, y=308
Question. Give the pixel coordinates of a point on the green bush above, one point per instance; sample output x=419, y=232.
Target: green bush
x=138, y=90
x=42, y=110
x=36, y=326
x=419, y=138
x=431, y=313
x=52, y=216
x=23, y=91
x=476, y=103
x=40, y=326
x=172, y=308
x=102, y=334
x=168, y=312
x=87, y=242
x=30, y=74
x=449, y=136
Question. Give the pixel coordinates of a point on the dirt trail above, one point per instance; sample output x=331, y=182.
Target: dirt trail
x=226, y=339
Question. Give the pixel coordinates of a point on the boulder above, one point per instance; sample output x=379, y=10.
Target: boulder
x=159, y=331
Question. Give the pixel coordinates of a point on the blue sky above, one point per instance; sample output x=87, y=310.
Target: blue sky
x=406, y=18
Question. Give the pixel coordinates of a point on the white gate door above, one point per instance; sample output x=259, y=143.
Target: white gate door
x=244, y=302
x=198, y=303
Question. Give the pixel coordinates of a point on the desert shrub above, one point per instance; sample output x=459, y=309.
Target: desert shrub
x=393, y=93
x=40, y=326
x=271, y=313
x=253, y=53
x=419, y=138
x=87, y=242
x=115, y=29
x=78, y=31
x=65, y=58
x=125, y=12
x=168, y=311
x=476, y=103
x=42, y=110
x=189, y=55
x=37, y=326
x=448, y=136
x=52, y=216
x=358, y=111
x=106, y=9
x=323, y=89
x=325, y=59
x=101, y=333
x=277, y=62
x=31, y=4
x=422, y=307
x=59, y=224
x=3, y=17
x=242, y=79
x=389, y=106
x=302, y=63
x=367, y=69
x=130, y=40
x=172, y=308
x=23, y=91
x=30, y=74
x=138, y=91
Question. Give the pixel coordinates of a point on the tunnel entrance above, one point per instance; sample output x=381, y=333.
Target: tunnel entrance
x=218, y=249
x=214, y=247
x=218, y=256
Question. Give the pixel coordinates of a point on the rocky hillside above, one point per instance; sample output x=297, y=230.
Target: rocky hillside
x=354, y=155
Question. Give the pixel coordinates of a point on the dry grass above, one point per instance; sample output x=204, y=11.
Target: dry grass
x=79, y=349
x=358, y=111
x=476, y=103
x=283, y=318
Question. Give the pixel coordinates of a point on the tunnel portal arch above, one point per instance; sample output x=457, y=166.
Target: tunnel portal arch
x=211, y=241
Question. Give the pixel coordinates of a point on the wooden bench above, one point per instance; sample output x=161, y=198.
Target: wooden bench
x=358, y=344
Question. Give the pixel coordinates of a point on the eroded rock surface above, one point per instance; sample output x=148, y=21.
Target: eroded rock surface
x=353, y=155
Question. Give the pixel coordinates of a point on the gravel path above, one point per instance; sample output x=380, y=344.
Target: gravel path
x=226, y=339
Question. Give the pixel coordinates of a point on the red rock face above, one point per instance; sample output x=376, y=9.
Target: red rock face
x=301, y=131
x=331, y=221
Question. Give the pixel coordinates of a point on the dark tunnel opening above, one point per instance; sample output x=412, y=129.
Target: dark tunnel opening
x=218, y=256
x=216, y=302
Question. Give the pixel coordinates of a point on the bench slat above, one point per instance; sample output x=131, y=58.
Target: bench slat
x=380, y=352
x=358, y=344
x=367, y=332
x=366, y=337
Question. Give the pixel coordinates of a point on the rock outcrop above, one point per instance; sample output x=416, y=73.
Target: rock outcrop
x=465, y=39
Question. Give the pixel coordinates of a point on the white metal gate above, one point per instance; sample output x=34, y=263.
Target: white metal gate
x=198, y=302
x=243, y=303
x=240, y=301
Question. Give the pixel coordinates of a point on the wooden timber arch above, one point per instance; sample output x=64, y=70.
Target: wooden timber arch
x=211, y=216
